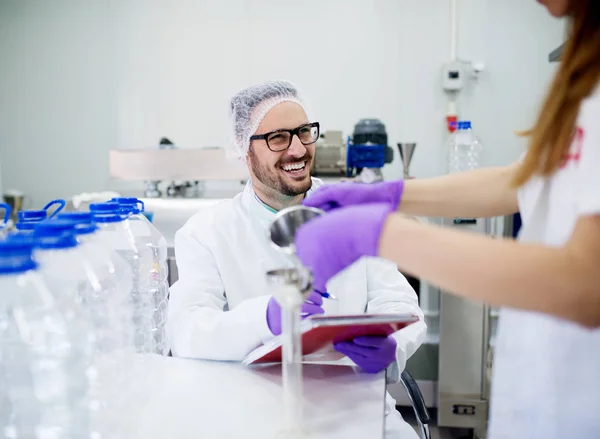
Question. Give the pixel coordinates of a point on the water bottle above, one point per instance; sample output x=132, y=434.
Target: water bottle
x=107, y=303
x=115, y=314
x=117, y=233
x=104, y=286
x=43, y=374
x=464, y=149
x=23, y=294
x=69, y=277
x=154, y=278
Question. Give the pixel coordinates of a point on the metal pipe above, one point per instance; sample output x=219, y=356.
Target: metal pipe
x=453, y=30
x=292, y=366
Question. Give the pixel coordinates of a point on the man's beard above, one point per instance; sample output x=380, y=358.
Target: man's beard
x=272, y=179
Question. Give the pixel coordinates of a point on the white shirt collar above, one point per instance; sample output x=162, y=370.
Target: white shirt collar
x=259, y=210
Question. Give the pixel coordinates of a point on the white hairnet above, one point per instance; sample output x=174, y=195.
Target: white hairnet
x=248, y=108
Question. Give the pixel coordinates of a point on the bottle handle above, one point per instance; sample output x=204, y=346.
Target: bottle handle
x=61, y=203
x=141, y=203
x=7, y=212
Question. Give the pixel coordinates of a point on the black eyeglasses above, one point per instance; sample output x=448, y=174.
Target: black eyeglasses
x=281, y=140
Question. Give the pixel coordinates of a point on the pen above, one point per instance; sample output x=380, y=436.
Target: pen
x=326, y=295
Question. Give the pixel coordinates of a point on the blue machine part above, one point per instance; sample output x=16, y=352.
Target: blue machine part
x=364, y=156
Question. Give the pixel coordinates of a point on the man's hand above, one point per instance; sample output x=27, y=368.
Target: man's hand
x=311, y=306
x=371, y=353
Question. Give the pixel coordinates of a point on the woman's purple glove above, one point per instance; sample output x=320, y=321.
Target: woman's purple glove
x=372, y=354
x=312, y=305
x=348, y=194
x=330, y=243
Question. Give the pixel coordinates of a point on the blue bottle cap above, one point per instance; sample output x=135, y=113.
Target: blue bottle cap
x=55, y=234
x=130, y=201
x=125, y=200
x=103, y=208
x=52, y=227
x=106, y=212
x=129, y=209
x=31, y=215
x=77, y=217
x=16, y=256
x=26, y=226
x=55, y=242
x=85, y=229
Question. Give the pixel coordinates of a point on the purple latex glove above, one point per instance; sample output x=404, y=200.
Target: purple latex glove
x=348, y=194
x=330, y=243
x=311, y=306
x=372, y=354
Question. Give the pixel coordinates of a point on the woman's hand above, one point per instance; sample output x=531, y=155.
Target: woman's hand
x=349, y=194
x=330, y=243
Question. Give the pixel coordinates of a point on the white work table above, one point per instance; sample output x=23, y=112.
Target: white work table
x=179, y=398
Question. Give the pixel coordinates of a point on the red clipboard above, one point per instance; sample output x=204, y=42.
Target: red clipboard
x=320, y=332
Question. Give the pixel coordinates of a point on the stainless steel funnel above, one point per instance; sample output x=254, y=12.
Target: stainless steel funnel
x=282, y=233
x=406, y=154
x=16, y=201
x=282, y=230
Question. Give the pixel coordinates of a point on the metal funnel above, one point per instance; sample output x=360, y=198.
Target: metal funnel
x=282, y=233
x=406, y=154
x=282, y=230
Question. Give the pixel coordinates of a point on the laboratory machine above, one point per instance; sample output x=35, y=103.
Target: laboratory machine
x=360, y=157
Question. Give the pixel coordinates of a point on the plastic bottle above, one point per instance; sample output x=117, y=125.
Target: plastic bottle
x=464, y=149
x=42, y=370
x=154, y=278
x=22, y=293
x=110, y=315
x=69, y=276
x=117, y=233
x=105, y=284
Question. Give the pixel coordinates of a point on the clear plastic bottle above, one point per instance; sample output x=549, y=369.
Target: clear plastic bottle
x=110, y=313
x=154, y=278
x=105, y=286
x=23, y=294
x=464, y=149
x=117, y=233
x=68, y=275
x=41, y=353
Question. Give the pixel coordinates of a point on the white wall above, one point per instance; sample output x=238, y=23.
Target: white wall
x=78, y=78
x=57, y=96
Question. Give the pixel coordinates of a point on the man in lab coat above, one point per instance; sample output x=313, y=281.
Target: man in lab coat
x=220, y=308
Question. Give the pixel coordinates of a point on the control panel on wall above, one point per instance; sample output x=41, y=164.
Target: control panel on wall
x=453, y=76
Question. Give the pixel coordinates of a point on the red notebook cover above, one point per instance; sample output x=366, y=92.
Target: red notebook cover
x=326, y=332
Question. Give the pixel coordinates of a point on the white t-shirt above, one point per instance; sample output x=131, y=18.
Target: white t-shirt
x=547, y=371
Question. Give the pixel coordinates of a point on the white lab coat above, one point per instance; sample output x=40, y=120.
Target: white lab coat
x=217, y=308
